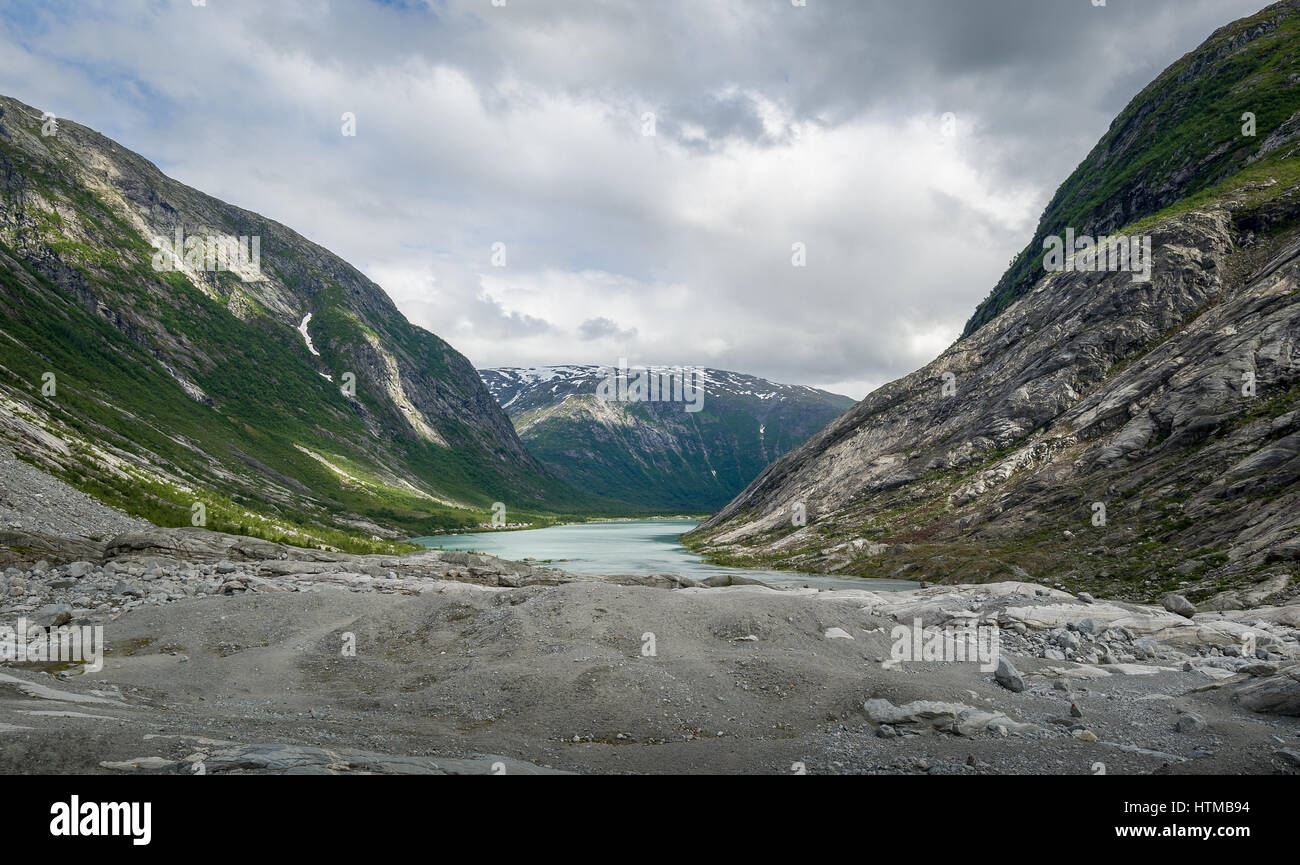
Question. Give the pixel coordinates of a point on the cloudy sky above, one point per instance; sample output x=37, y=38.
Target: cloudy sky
x=641, y=168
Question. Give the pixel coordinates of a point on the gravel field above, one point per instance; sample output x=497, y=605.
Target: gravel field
x=235, y=655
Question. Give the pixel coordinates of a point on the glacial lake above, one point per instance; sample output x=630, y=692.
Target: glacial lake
x=632, y=547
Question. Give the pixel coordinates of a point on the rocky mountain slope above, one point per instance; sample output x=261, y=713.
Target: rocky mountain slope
x=1181, y=135
x=281, y=390
x=659, y=455
x=1104, y=433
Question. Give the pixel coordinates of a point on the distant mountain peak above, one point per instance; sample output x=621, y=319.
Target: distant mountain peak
x=657, y=454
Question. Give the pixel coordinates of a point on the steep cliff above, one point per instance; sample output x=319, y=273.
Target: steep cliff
x=277, y=387
x=1095, y=430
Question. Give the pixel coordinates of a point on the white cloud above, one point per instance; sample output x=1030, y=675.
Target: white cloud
x=522, y=125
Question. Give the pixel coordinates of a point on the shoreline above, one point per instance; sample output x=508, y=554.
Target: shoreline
x=543, y=550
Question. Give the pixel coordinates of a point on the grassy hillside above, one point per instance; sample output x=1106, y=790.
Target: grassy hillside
x=180, y=387
x=1180, y=136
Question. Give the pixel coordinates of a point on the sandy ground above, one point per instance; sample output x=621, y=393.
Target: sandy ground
x=555, y=677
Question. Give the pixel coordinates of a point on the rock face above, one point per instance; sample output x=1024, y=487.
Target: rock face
x=1278, y=693
x=277, y=759
x=283, y=382
x=1131, y=438
x=1125, y=178
x=158, y=566
x=658, y=454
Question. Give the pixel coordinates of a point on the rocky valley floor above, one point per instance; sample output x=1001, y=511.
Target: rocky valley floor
x=228, y=654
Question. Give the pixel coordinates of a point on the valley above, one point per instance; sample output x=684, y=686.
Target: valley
x=666, y=455
x=232, y=655
x=305, y=534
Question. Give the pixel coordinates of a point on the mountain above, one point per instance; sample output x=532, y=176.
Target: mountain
x=1181, y=135
x=1094, y=430
x=157, y=378
x=659, y=455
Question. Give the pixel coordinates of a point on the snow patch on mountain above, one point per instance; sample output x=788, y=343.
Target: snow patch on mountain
x=302, y=329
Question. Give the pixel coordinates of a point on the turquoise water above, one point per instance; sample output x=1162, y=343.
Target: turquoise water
x=633, y=547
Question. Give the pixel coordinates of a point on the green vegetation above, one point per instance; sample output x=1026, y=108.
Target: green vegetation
x=659, y=457
x=172, y=391
x=1182, y=135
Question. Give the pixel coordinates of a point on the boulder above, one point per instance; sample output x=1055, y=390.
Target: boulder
x=1179, y=605
x=52, y=615
x=1008, y=676
x=931, y=715
x=1278, y=694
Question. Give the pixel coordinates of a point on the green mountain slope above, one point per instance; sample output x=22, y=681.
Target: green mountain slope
x=196, y=385
x=1181, y=135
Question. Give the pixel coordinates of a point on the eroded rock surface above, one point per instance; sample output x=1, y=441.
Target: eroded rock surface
x=250, y=672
